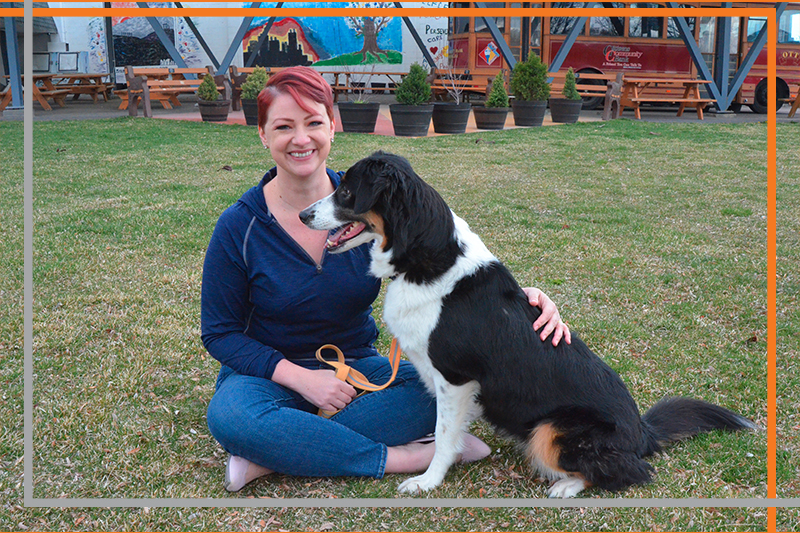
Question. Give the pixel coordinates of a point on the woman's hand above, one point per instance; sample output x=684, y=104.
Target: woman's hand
x=550, y=317
x=319, y=387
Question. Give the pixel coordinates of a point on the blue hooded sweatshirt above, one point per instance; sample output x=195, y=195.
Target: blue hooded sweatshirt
x=265, y=299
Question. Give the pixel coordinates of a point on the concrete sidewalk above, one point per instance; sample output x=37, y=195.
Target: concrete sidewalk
x=84, y=108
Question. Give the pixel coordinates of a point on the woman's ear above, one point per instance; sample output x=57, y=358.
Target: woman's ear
x=263, y=136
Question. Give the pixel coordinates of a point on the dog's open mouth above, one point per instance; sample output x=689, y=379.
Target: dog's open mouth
x=346, y=233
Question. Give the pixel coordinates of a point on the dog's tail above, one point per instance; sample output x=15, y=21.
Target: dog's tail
x=675, y=419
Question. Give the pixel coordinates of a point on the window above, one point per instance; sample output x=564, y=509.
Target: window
x=459, y=24
x=536, y=31
x=480, y=24
x=754, y=25
x=672, y=26
x=607, y=26
x=789, y=27
x=562, y=25
x=650, y=27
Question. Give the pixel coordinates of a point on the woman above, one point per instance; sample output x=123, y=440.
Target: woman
x=272, y=296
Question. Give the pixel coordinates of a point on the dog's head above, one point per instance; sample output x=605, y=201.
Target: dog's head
x=381, y=198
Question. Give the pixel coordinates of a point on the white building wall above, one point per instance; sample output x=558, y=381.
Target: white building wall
x=88, y=34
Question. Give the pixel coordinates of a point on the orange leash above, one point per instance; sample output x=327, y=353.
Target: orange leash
x=353, y=376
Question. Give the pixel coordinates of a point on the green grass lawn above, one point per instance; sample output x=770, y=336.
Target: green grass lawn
x=651, y=238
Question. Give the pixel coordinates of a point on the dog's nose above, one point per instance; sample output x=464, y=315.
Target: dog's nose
x=306, y=215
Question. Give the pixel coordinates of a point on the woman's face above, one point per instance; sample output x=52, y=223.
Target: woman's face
x=298, y=140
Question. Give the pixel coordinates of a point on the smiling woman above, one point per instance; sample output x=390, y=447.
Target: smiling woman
x=272, y=294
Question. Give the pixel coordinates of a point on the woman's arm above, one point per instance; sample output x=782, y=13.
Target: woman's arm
x=550, y=317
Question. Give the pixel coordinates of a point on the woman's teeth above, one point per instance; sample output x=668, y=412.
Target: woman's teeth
x=301, y=154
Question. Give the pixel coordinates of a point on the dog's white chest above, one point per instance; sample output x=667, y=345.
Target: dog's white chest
x=411, y=312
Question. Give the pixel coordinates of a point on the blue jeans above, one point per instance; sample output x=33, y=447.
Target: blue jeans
x=275, y=427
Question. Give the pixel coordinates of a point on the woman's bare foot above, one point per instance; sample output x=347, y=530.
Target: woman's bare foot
x=416, y=456
x=239, y=472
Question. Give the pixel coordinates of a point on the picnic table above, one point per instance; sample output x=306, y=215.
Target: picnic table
x=658, y=91
x=40, y=93
x=82, y=83
x=795, y=103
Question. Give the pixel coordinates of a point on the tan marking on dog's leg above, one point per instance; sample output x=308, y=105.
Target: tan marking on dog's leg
x=543, y=453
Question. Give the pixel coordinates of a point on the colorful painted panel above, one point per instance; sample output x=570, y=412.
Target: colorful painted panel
x=329, y=41
x=135, y=42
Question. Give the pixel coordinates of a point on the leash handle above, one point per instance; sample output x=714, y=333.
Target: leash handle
x=355, y=378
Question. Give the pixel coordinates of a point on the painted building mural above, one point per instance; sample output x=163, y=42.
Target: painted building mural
x=329, y=42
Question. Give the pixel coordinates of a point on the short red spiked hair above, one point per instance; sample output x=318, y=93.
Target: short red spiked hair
x=300, y=83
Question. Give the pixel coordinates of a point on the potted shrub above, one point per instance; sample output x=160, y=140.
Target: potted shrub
x=252, y=86
x=212, y=108
x=451, y=116
x=567, y=109
x=492, y=115
x=531, y=91
x=359, y=115
x=411, y=116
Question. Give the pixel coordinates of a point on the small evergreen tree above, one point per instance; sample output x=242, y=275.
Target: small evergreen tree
x=570, y=91
x=498, y=97
x=208, y=89
x=414, y=90
x=254, y=83
x=529, y=80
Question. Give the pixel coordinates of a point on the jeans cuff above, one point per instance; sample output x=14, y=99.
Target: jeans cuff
x=382, y=462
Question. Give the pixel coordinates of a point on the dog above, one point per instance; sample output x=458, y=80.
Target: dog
x=466, y=325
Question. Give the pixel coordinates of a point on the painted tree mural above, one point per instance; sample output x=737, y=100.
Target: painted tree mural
x=369, y=28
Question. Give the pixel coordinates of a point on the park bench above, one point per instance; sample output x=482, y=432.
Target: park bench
x=164, y=85
x=445, y=81
x=588, y=84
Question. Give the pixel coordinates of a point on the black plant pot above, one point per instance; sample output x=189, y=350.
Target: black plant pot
x=411, y=120
x=529, y=113
x=250, y=109
x=450, y=117
x=216, y=111
x=490, y=118
x=359, y=117
x=565, y=111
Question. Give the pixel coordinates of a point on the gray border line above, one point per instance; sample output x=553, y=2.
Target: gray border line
x=410, y=502
x=30, y=501
x=27, y=320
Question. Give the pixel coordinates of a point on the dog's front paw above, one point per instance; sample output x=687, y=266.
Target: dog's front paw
x=566, y=488
x=418, y=484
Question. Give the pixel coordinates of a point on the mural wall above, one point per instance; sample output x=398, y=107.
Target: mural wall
x=339, y=42
x=331, y=42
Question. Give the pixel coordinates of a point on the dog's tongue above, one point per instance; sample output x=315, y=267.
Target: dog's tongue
x=345, y=234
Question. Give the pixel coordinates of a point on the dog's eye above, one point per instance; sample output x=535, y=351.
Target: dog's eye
x=345, y=193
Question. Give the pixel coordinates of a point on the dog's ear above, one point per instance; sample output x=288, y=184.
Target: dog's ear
x=369, y=190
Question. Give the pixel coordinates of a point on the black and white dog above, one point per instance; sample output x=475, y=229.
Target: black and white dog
x=465, y=324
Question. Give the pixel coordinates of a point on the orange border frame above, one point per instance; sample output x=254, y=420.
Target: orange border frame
x=767, y=12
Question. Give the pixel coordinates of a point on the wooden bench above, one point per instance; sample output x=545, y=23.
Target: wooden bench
x=592, y=85
x=356, y=82
x=164, y=85
x=445, y=81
